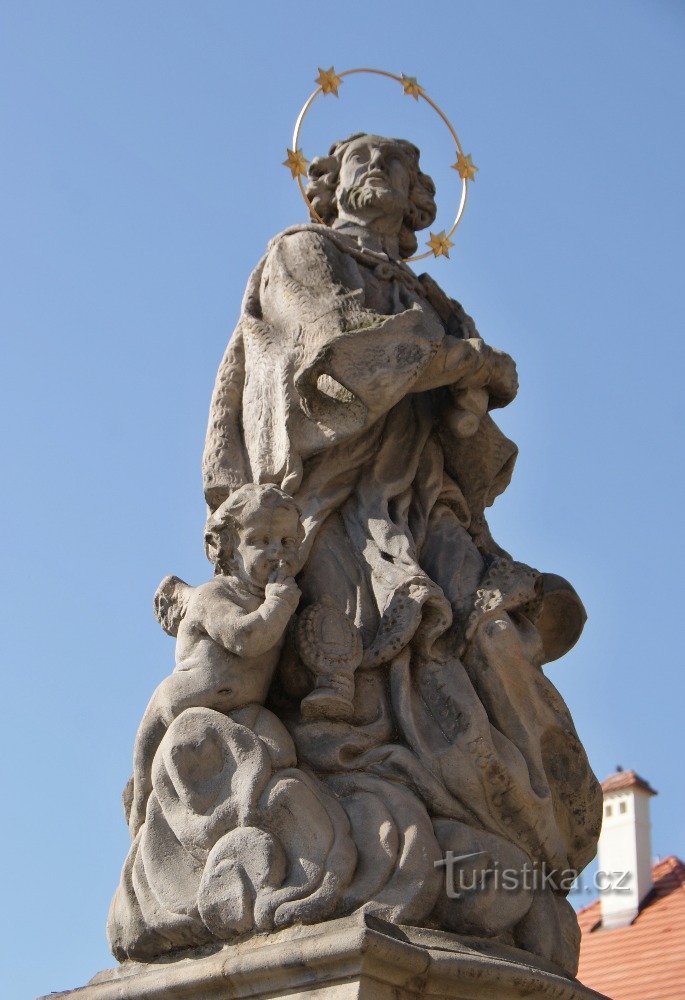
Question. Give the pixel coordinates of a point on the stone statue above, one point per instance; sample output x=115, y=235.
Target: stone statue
x=328, y=746
x=230, y=631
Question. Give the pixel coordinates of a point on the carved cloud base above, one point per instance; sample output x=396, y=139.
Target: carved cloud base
x=354, y=958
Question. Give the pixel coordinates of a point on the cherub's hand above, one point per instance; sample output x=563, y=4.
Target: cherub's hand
x=283, y=588
x=283, y=572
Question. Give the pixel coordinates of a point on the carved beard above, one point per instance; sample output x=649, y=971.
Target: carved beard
x=361, y=196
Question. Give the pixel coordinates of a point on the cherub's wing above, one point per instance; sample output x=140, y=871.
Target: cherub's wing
x=171, y=603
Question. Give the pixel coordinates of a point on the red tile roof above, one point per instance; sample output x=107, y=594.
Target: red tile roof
x=626, y=779
x=646, y=960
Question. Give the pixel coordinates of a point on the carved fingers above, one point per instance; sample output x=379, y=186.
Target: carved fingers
x=503, y=381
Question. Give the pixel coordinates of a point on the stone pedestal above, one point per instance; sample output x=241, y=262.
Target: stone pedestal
x=355, y=958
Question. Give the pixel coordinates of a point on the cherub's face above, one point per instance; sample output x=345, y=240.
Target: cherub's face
x=267, y=545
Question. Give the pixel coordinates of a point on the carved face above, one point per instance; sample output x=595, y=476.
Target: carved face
x=267, y=542
x=373, y=175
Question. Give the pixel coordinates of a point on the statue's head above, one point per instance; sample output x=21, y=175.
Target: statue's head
x=255, y=532
x=368, y=179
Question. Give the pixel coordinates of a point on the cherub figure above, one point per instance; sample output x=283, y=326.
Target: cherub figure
x=229, y=631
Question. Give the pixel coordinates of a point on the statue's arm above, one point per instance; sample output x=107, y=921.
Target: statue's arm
x=311, y=285
x=470, y=364
x=313, y=295
x=249, y=634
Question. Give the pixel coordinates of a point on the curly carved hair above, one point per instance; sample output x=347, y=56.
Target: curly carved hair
x=223, y=525
x=324, y=172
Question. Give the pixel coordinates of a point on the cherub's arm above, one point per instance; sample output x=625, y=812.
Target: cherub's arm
x=249, y=634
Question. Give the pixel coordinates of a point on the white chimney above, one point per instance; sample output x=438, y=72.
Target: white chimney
x=625, y=847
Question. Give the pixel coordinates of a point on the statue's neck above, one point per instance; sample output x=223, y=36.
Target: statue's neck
x=368, y=239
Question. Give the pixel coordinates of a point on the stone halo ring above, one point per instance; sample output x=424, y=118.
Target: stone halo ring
x=329, y=82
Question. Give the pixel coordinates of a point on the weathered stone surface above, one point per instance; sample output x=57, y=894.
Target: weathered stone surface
x=356, y=958
x=358, y=715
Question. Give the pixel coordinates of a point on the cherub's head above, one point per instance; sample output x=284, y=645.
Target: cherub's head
x=373, y=181
x=254, y=534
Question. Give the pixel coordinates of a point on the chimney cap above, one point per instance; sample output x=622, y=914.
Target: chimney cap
x=622, y=781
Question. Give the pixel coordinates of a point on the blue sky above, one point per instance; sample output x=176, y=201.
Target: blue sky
x=140, y=180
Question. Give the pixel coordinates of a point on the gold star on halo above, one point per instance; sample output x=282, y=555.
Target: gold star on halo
x=465, y=167
x=329, y=81
x=411, y=86
x=440, y=244
x=296, y=163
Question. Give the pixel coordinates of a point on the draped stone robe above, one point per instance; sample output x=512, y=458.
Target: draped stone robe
x=320, y=391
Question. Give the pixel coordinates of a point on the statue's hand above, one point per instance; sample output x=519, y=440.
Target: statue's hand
x=466, y=364
x=502, y=379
